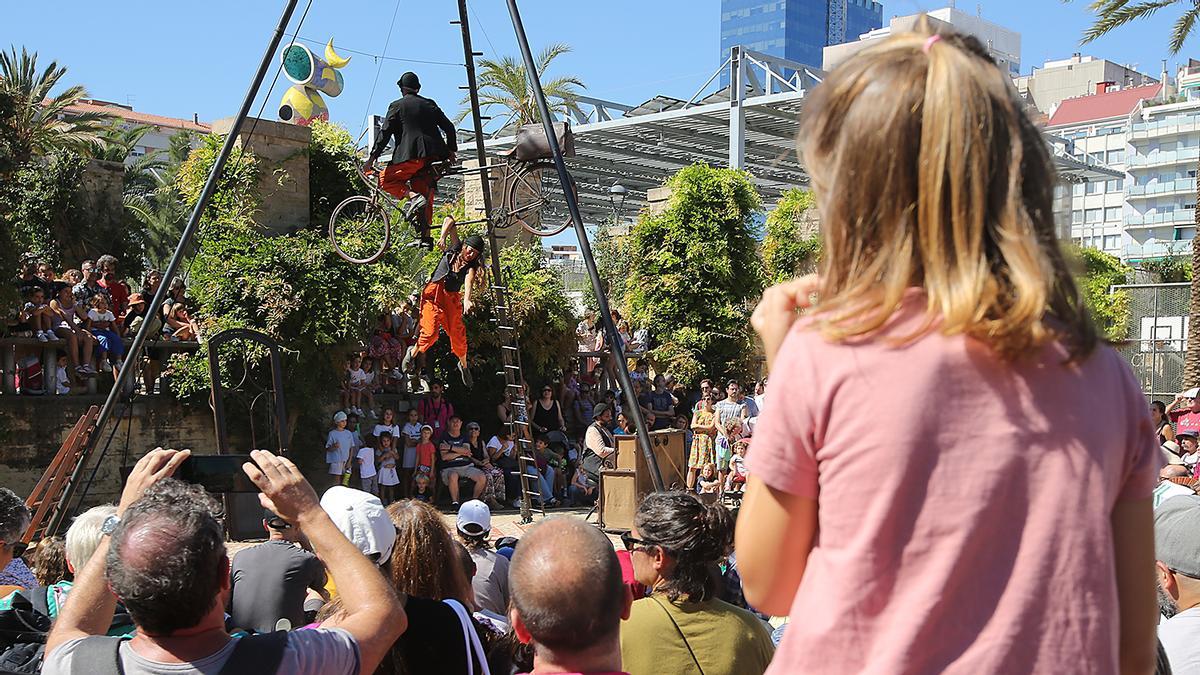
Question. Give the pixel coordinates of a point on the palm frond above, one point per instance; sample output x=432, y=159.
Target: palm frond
x=1183, y=28
x=1112, y=14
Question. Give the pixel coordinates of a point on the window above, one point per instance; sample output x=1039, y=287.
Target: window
x=1076, y=217
x=1111, y=241
x=1114, y=185
x=1191, y=173
x=1095, y=187
x=1098, y=156
x=1112, y=213
x=1092, y=215
x=1077, y=190
x=1058, y=192
x=1116, y=156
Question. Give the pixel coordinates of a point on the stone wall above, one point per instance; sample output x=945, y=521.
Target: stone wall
x=283, y=151
x=32, y=428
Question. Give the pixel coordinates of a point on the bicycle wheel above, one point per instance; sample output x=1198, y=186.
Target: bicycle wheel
x=359, y=230
x=527, y=197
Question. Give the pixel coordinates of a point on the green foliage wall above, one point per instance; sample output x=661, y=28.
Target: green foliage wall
x=332, y=170
x=1100, y=271
x=786, y=250
x=694, y=272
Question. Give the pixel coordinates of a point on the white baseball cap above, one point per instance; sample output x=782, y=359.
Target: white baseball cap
x=361, y=517
x=1194, y=392
x=474, y=518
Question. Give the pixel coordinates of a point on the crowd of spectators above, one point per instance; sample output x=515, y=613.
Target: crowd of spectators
x=345, y=584
x=91, y=314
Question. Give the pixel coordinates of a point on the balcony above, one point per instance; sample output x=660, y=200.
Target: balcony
x=1170, y=187
x=1158, y=158
x=1176, y=218
x=1146, y=130
x=1156, y=249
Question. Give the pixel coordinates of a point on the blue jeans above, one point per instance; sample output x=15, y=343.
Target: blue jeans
x=531, y=470
x=548, y=483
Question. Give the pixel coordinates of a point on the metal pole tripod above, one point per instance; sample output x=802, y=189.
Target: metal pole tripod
x=618, y=349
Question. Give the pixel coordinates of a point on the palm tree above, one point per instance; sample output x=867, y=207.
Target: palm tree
x=1111, y=14
x=37, y=123
x=503, y=84
x=151, y=196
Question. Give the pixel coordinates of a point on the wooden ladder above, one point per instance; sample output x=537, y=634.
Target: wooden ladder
x=45, y=501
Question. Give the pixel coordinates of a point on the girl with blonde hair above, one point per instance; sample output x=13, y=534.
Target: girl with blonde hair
x=944, y=416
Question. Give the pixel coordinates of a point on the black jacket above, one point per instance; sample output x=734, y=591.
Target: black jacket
x=417, y=124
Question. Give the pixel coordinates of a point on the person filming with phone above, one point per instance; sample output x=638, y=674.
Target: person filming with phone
x=163, y=556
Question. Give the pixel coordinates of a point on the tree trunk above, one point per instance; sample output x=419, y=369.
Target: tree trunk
x=1191, y=365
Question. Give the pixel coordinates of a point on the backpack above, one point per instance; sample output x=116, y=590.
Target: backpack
x=30, y=379
x=23, y=629
x=253, y=655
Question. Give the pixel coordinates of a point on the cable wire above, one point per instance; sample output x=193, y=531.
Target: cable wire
x=379, y=67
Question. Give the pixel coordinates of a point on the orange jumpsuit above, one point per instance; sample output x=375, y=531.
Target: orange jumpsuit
x=443, y=308
x=398, y=179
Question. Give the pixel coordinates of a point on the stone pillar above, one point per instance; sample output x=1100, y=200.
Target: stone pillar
x=657, y=199
x=282, y=150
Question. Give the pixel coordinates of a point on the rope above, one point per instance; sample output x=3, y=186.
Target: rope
x=378, y=66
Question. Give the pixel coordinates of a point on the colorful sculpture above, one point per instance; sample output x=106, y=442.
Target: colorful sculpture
x=311, y=76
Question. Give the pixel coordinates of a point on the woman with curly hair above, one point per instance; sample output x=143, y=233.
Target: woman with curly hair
x=682, y=627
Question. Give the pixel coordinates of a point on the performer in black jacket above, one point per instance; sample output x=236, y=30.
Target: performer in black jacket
x=418, y=125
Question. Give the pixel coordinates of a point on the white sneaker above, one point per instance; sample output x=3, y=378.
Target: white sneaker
x=50, y=336
x=41, y=336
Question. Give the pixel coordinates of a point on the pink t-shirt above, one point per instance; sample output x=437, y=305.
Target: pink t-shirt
x=964, y=503
x=1185, y=420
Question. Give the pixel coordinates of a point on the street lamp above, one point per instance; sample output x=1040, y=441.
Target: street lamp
x=616, y=198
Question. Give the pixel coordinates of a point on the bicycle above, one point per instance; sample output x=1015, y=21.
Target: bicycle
x=360, y=227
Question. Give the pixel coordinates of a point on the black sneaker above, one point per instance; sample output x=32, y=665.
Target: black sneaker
x=454, y=505
x=465, y=372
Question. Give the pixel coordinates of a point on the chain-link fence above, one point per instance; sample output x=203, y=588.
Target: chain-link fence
x=1157, y=336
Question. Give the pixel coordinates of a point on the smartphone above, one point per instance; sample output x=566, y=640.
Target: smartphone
x=217, y=473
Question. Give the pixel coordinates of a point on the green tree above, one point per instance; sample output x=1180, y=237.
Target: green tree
x=152, y=197
x=695, y=269
x=332, y=170
x=1100, y=272
x=504, y=84
x=611, y=249
x=36, y=122
x=1110, y=15
x=791, y=246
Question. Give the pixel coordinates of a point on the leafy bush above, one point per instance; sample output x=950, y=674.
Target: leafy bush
x=788, y=249
x=1101, y=271
x=332, y=170
x=694, y=271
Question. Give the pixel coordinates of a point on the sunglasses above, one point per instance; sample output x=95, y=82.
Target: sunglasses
x=18, y=548
x=632, y=543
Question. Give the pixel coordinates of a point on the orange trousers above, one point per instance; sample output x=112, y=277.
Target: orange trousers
x=399, y=179
x=442, y=309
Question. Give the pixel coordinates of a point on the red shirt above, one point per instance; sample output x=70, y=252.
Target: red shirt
x=118, y=291
x=1185, y=420
x=425, y=454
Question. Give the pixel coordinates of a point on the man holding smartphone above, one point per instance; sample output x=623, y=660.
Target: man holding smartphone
x=166, y=536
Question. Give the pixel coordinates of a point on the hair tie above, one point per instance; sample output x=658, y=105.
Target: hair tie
x=930, y=41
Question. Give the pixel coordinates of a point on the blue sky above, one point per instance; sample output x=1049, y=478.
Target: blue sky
x=175, y=58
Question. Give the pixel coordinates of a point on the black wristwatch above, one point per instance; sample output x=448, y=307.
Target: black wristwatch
x=109, y=525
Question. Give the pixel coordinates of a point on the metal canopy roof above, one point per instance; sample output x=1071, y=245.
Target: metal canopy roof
x=639, y=147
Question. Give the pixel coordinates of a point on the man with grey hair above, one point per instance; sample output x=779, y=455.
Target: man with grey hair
x=568, y=599
x=164, y=554
x=14, y=519
x=1177, y=562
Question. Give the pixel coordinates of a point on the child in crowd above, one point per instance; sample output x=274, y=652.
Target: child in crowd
x=710, y=481
x=424, y=467
x=737, y=467
x=542, y=457
x=366, y=470
x=727, y=436
x=385, y=346
x=100, y=323
x=64, y=322
x=358, y=379
x=703, y=449
x=338, y=446
x=681, y=424
x=388, y=477
x=62, y=383
x=36, y=313
x=1188, y=442
x=411, y=435
x=369, y=383
x=582, y=491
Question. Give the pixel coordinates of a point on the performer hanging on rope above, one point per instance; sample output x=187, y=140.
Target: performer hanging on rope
x=418, y=125
x=447, y=297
